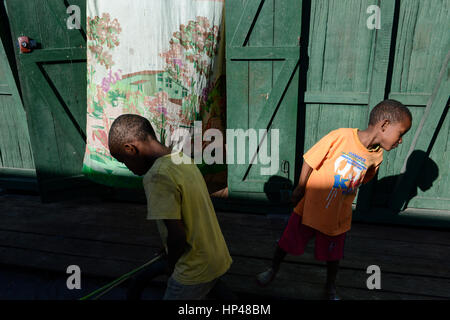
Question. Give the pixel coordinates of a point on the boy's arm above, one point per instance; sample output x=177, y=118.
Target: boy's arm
x=176, y=241
x=371, y=172
x=299, y=190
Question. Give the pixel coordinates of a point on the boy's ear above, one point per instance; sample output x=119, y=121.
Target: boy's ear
x=384, y=124
x=130, y=149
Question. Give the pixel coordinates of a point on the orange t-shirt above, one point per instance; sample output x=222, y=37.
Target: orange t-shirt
x=341, y=163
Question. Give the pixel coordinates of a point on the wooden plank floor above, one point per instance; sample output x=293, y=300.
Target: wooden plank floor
x=108, y=239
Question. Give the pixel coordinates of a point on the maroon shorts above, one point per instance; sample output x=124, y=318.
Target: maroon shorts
x=296, y=236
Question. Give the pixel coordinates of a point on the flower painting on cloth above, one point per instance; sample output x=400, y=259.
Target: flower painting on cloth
x=160, y=59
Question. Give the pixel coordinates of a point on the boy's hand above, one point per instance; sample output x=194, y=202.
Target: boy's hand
x=168, y=269
x=297, y=195
x=162, y=251
x=299, y=190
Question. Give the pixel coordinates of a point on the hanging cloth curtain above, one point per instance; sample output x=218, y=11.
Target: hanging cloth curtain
x=161, y=59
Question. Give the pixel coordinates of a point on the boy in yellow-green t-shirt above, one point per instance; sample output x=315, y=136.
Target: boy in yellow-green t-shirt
x=179, y=202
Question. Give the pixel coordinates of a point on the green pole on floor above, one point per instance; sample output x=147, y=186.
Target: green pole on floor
x=108, y=287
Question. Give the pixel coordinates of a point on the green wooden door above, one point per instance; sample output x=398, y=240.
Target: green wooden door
x=352, y=68
x=420, y=79
x=53, y=81
x=16, y=158
x=348, y=66
x=262, y=91
x=424, y=179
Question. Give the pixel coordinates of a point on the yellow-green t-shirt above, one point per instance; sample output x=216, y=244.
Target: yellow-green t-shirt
x=178, y=191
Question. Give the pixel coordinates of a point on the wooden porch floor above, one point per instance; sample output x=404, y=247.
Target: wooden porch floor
x=108, y=239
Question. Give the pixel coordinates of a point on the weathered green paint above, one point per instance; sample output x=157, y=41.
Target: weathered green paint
x=348, y=74
x=382, y=45
x=53, y=80
x=262, y=78
x=335, y=66
x=14, y=139
x=419, y=71
x=15, y=150
x=347, y=65
x=437, y=105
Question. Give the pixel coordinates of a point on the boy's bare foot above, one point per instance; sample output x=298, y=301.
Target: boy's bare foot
x=266, y=277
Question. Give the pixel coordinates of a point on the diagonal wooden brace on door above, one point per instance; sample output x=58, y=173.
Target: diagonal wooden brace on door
x=240, y=51
x=246, y=22
x=436, y=105
x=32, y=63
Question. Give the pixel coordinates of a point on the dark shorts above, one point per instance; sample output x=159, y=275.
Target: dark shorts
x=296, y=236
x=178, y=291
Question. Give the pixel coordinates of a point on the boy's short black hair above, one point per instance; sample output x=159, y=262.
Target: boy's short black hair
x=129, y=127
x=391, y=110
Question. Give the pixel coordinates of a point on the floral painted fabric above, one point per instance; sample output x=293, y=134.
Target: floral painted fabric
x=161, y=59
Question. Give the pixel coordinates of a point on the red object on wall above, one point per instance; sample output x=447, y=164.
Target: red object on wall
x=25, y=44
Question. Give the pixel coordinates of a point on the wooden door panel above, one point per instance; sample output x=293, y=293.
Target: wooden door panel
x=421, y=46
x=424, y=150
x=16, y=157
x=14, y=140
x=421, y=49
x=262, y=81
x=53, y=79
x=341, y=52
x=437, y=196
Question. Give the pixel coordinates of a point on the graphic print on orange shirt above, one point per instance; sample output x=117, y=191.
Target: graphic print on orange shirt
x=347, y=175
x=341, y=163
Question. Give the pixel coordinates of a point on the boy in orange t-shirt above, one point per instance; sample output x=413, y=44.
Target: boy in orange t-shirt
x=331, y=173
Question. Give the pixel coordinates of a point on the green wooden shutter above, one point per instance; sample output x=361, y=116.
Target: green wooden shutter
x=425, y=167
x=16, y=158
x=415, y=176
x=53, y=81
x=420, y=80
x=347, y=70
x=262, y=86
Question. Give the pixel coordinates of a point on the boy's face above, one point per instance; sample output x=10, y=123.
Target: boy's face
x=130, y=156
x=391, y=133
